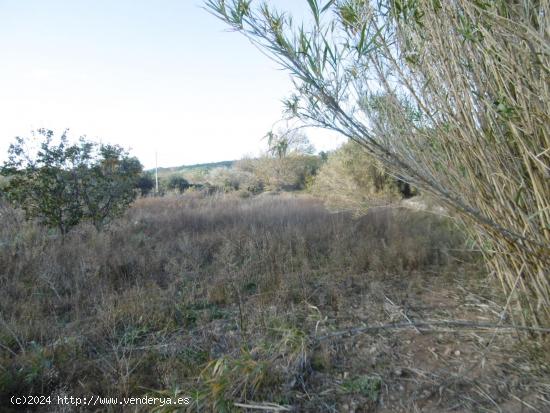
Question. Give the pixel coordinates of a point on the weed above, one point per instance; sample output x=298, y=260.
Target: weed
x=367, y=386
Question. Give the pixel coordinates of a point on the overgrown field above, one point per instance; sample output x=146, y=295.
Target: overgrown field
x=231, y=300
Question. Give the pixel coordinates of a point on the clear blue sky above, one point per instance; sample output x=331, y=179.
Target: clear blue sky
x=152, y=75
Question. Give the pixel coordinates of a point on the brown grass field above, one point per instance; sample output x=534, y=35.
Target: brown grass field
x=250, y=305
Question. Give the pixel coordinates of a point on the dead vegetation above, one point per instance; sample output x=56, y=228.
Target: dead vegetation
x=235, y=302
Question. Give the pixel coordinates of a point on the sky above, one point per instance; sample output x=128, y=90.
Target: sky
x=155, y=76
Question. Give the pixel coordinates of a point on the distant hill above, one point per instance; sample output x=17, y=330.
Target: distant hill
x=195, y=167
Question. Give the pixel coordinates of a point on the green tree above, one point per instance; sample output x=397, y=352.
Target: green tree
x=178, y=183
x=452, y=96
x=108, y=184
x=145, y=184
x=62, y=184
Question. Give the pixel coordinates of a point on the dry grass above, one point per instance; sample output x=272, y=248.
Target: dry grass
x=220, y=298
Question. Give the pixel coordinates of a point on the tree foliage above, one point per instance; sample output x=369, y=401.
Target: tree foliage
x=287, y=143
x=178, y=183
x=450, y=95
x=62, y=183
x=288, y=163
x=274, y=174
x=351, y=179
x=145, y=184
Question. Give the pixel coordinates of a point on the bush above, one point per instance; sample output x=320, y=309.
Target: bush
x=178, y=183
x=230, y=179
x=62, y=184
x=145, y=184
x=351, y=179
x=291, y=172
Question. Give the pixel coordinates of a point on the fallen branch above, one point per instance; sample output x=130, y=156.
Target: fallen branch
x=428, y=326
x=265, y=406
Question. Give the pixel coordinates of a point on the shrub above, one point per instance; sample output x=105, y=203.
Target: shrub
x=62, y=184
x=145, y=184
x=178, y=183
x=291, y=172
x=230, y=179
x=352, y=179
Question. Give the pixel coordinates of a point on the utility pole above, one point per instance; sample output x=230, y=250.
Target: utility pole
x=156, y=174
